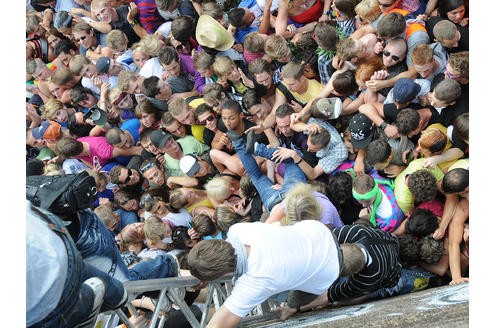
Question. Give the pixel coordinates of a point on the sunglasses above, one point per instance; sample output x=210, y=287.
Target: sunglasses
x=82, y=38
x=394, y=57
x=113, y=225
x=146, y=167
x=129, y=175
x=385, y=5
x=208, y=119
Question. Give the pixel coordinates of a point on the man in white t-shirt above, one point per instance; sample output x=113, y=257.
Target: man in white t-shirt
x=268, y=259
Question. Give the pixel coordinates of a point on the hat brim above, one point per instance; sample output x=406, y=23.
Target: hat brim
x=99, y=117
x=207, y=25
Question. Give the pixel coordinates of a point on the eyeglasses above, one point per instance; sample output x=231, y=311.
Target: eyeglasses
x=385, y=5
x=129, y=175
x=208, y=119
x=394, y=57
x=146, y=167
x=451, y=76
x=82, y=38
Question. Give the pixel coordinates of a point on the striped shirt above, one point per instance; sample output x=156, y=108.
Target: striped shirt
x=382, y=268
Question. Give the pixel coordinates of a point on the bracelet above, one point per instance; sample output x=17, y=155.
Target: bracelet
x=133, y=23
x=327, y=12
x=299, y=161
x=383, y=125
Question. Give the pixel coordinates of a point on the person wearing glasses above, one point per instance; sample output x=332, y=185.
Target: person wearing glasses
x=89, y=40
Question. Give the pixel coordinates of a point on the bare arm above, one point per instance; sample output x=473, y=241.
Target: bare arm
x=264, y=27
x=134, y=150
x=223, y=318
x=447, y=156
x=183, y=181
x=377, y=85
x=456, y=230
x=276, y=214
x=282, y=15
x=368, y=28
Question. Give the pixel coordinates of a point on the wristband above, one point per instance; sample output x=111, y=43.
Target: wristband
x=299, y=161
x=383, y=125
x=133, y=23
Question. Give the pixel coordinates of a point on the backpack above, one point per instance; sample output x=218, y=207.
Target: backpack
x=62, y=194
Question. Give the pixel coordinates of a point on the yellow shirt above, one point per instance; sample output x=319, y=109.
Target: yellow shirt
x=314, y=89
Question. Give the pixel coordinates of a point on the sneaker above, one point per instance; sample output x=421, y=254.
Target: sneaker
x=98, y=287
x=250, y=142
x=233, y=135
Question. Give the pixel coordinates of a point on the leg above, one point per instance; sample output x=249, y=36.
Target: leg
x=163, y=266
x=456, y=232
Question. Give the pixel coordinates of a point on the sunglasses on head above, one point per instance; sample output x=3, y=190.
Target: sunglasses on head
x=146, y=167
x=208, y=119
x=385, y=5
x=394, y=57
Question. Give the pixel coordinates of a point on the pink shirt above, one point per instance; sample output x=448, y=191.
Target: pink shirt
x=99, y=147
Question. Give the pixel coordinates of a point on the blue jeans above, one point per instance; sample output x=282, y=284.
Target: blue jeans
x=269, y=196
x=76, y=302
x=98, y=248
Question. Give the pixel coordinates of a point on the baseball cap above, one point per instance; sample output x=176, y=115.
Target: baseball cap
x=361, y=128
x=405, y=90
x=189, y=165
x=103, y=65
x=159, y=138
x=99, y=116
x=330, y=107
x=40, y=130
x=45, y=154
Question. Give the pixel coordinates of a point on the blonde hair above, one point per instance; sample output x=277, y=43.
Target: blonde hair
x=116, y=40
x=368, y=10
x=114, y=94
x=345, y=49
x=254, y=42
x=422, y=54
x=433, y=140
x=77, y=62
x=53, y=169
x=97, y=4
x=153, y=229
x=276, y=46
x=218, y=189
x=151, y=44
x=223, y=65
x=177, y=106
x=292, y=70
x=300, y=204
x=225, y=217
x=50, y=108
x=105, y=213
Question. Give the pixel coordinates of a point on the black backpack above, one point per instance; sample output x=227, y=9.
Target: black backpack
x=62, y=194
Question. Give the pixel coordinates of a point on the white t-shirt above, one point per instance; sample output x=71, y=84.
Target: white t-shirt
x=301, y=257
x=152, y=67
x=46, y=268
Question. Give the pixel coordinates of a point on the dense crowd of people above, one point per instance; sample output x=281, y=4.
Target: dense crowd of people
x=215, y=130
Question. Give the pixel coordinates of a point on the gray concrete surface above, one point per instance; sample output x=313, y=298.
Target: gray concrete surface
x=446, y=306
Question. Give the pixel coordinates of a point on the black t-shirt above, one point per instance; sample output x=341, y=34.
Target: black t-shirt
x=463, y=44
x=123, y=25
x=393, y=71
x=390, y=111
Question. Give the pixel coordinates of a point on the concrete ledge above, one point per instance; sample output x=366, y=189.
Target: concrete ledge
x=446, y=306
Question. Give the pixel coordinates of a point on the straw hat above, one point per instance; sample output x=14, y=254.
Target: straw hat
x=211, y=34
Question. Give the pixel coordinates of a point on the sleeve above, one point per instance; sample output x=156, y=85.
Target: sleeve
x=248, y=292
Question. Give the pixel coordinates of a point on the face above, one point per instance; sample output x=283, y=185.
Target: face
x=53, y=40
x=367, y=203
x=155, y=176
x=456, y=15
x=56, y=90
x=451, y=73
x=134, y=86
x=381, y=166
x=139, y=58
x=387, y=5
x=359, y=49
x=390, y=56
x=425, y=71
x=206, y=72
x=128, y=177
x=208, y=120
x=165, y=91
x=187, y=193
x=248, y=17
x=260, y=111
x=234, y=75
x=125, y=141
x=149, y=147
x=83, y=38
x=435, y=102
x=89, y=70
x=231, y=119
x=62, y=115
x=160, y=208
x=173, y=68
x=147, y=119
x=63, y=59
x=283, y=124
x=103, y=14
x=88, y=102
x=115, y=223
x=126, y=102
x=186, y=117
x=138, y=228
x=293, y=84
x=42, y=73
x=204, y=168
x=171, y=146
x=176, y=128
x=264, y=79
x=131, y=205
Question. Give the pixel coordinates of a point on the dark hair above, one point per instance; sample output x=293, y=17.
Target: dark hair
x=235, y=17
x=407, y=121
x=203, y=108
x=461, y=126
x=182, y=28
x=167, y=55
x=391, y=25
x=378, y=151
x=79, y=93
x=284, y=110
x=456, y=180
x=180, y=236
x=232, y=105
x=423, y=185
x=320, y=139
x=340, y=188
x=430, y=249
x=345, y=83
x=64, y=46
x=250, y=99
x=76, y=129
x=408, y=249
x=327, y=35
x=150, y=86
x=444, y=6
x=421, y=222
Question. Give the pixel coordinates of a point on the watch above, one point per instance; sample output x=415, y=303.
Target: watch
x=383, y=125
